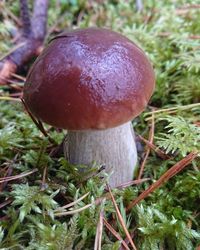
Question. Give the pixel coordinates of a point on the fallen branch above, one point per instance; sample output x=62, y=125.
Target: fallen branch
x=30, y=42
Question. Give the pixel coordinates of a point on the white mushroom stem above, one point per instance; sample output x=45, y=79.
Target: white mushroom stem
x=115, y=148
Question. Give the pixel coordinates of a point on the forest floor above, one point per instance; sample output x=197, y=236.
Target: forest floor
x=160, y=210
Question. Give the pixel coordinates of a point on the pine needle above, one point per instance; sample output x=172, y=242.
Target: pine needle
x=7, y=98
x=116, y=234
x=165, y=177
x=75, y=211
x=73, y=203
x=173, y=109
x=151, y=137
x=99, y=231
x=11, y=178
x=158, y=151
x=121, y=219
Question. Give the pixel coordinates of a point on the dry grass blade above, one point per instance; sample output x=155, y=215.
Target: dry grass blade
x=124, y=185
x=18, y=77
x=165, y=177
x=73, y=203
x=126, y=240
x=151, y=137
x=11, y=178
x=7, y=98
x=99, y=231
x=173, y=109
x=190, y=6
x=116, y=234
x=12, y=50
x=38, y=123
x=6, y=10
x=17, y=94
x=75, y=211
x=12, y=83
x=15, y=86
x=133, y=182
x=5, y=203
x=167, y=34
x=7, y=174
x=158, y=151
x=195, y=37
x=121, y=219
x=44, y=178
x=185, y=9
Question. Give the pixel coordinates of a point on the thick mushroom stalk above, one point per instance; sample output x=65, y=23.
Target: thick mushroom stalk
x=115, y=148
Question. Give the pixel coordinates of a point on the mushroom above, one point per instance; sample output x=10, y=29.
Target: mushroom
x=92, y=82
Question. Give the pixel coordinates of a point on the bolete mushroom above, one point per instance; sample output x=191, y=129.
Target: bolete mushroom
x=92, y=82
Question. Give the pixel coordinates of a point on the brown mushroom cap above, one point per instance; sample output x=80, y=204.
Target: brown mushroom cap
x=89, y=79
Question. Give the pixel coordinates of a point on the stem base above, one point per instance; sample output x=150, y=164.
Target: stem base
x=115, y=148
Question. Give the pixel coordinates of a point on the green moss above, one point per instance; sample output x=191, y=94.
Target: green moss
x=169, y=217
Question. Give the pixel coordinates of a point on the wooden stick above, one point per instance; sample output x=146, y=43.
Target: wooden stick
x=25, y=17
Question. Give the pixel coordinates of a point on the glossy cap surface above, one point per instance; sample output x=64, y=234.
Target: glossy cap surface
x=89, y=79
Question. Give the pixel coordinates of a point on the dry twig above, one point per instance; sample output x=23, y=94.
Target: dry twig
x=30, y=42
